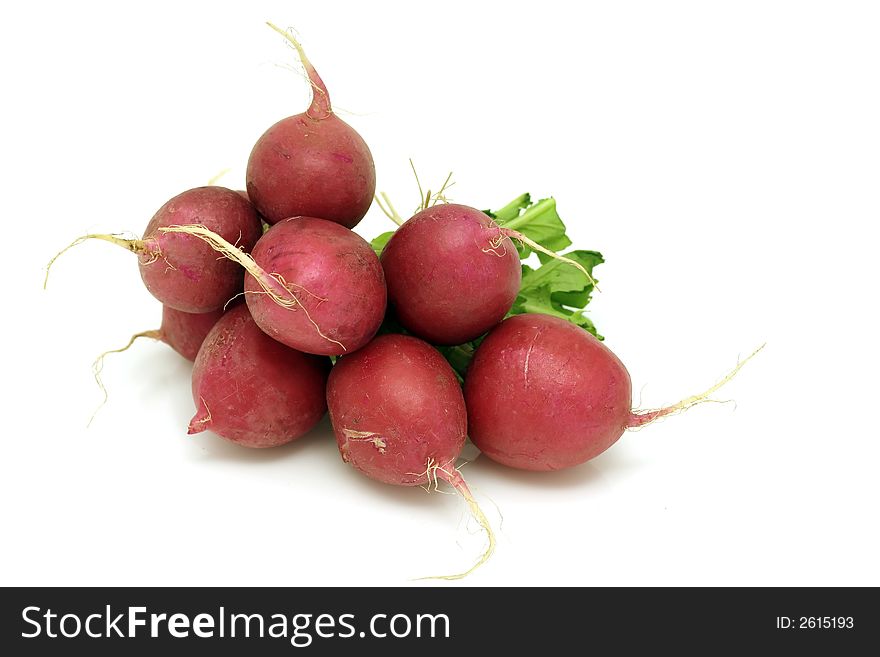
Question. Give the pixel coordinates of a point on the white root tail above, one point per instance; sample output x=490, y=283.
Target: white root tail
x=320, y=107
x=453, y=477
x=98, y=365
x=133, y=245
x=641, y=418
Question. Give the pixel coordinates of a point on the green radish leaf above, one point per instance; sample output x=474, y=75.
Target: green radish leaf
x=541, y=301
x=511, y=210
x=460, y=356
x=379, y=243
x=560, y=276
x=556, y=288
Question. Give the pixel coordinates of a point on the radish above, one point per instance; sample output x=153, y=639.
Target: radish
x=252, y=390
x=182, y=272
x=312, y=164
x=311, y=284
x=399, y=418
x=544, y=394
x=453, y=273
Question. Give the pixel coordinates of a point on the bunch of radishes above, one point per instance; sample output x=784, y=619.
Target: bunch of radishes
x=446, y=293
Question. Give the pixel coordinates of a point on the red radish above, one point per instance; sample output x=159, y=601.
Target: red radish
x=451, y=273
x=252, y=390
x=311, y=284
x=543, y=394
x=329, y=279
x=183, y=272
x=312, y=164
x=399, y=417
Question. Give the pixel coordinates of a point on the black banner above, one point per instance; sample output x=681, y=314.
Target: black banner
x=429, y=621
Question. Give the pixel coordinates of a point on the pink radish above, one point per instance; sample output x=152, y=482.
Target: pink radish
x=252, y=390
x=181, y=271
x=312, y=164
x=451, y=273
x=311, y=284
x=543, y=394
x=399, y=417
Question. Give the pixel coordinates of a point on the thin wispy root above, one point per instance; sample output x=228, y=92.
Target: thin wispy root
x=135, y=246
x=216, y=178
x=512, y=234
x=426, y=199
x=387, y=208
x=98, y=365
x=320, y=107
x=641, y=418
x=270, y=283
x=453, y=477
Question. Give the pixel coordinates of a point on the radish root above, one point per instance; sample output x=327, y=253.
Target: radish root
x=268, y=282
x=320, y=107
x=388, y=211
x=133, y=245
x=216, y=178
x=537, y=247
x=426, y=199
x=641, y=418
x=452, y=476
x=98, y=365
x=201, y=420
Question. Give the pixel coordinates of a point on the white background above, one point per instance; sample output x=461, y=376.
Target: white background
x=723, y=156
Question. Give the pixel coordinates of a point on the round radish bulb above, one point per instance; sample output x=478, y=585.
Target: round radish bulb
x=399, y=416
x=543, y=394
x=312, y=164
x=252, y=390
x=452, y=273
x=176, y=265
x=185, y=273
x=316, y=287
x=395, y=406
x=185, y=332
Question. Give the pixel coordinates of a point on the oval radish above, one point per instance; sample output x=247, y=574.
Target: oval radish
x=399, y=417
x=252, y=390
x=451, y=272
x=543, y=394
x=180, y=270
